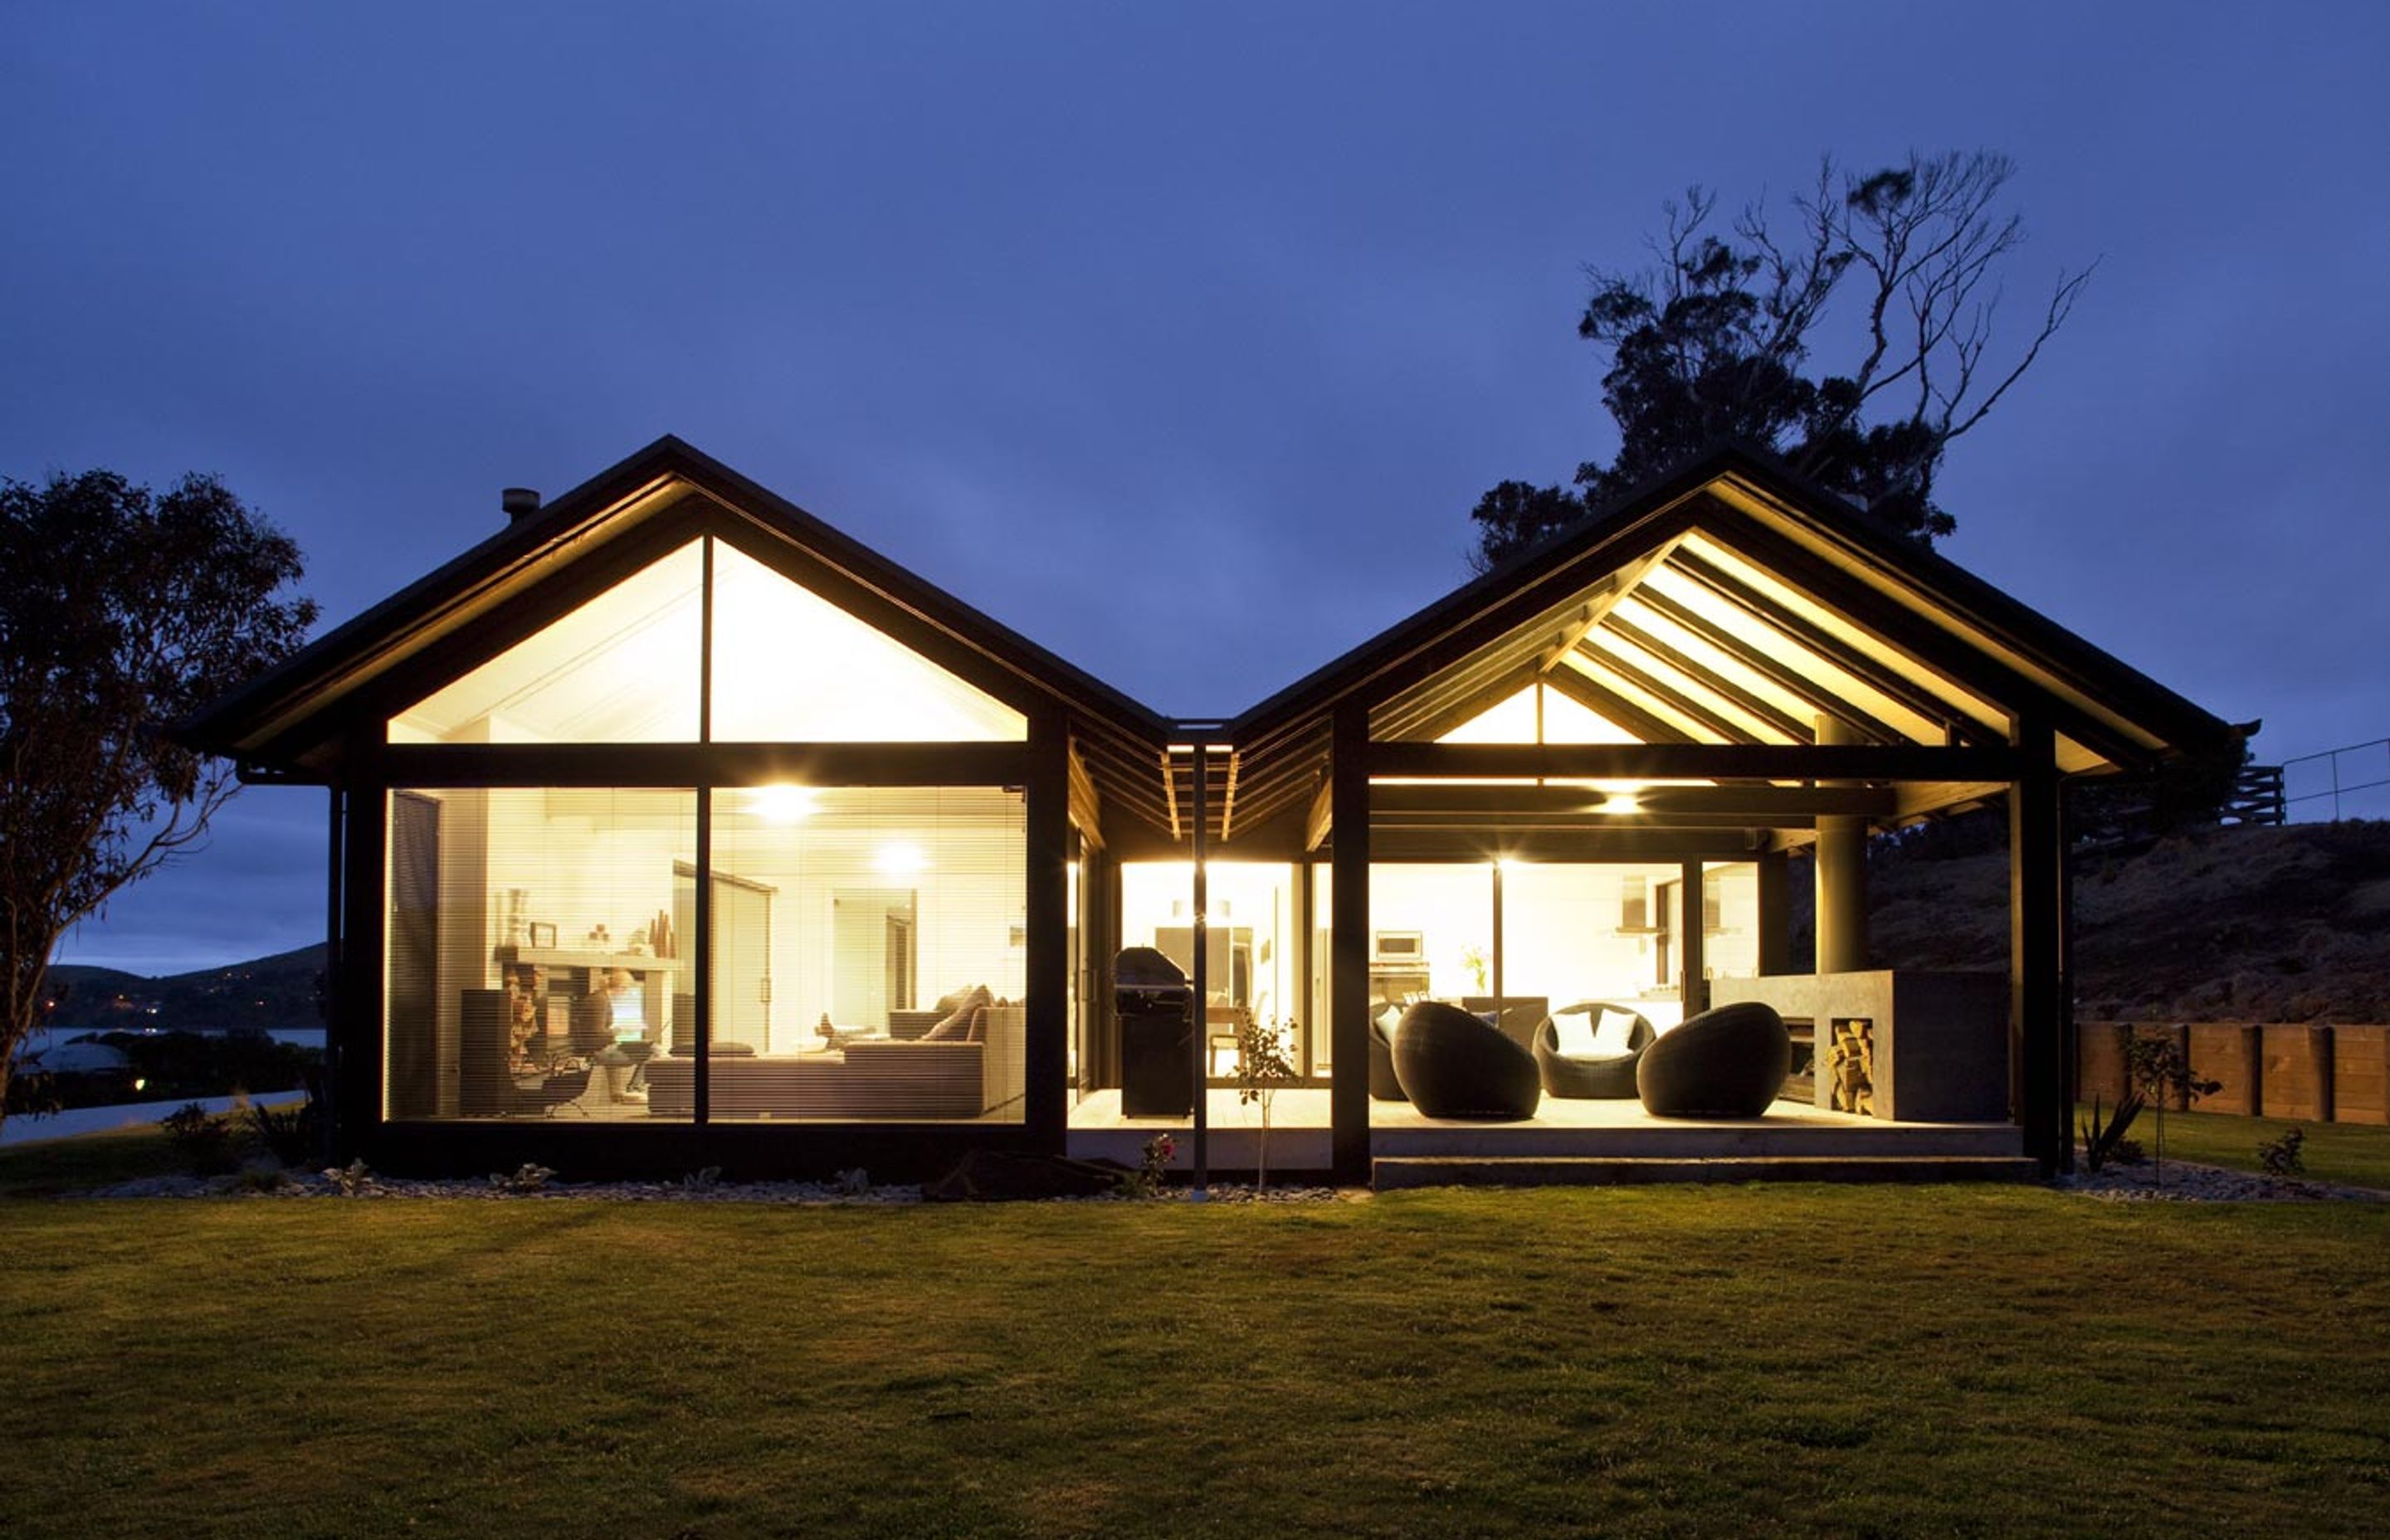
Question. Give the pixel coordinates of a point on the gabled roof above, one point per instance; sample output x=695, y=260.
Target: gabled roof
x=1731, y=601
x=285, y=718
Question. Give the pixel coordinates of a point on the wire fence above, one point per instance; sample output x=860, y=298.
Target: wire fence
x=2353, y=782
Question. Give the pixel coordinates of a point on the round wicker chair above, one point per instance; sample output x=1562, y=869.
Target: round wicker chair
x=1609, y=1077
x=1383, y=1086
x=1452, y=1064
x=1724, y=1063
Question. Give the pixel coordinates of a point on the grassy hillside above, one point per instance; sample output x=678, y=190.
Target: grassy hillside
x=278, y=990
x=2287, y=924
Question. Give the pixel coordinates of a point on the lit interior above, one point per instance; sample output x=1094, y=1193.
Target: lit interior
x=791, y=666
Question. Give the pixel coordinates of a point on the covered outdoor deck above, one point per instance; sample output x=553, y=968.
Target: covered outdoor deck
x=1561, y=1129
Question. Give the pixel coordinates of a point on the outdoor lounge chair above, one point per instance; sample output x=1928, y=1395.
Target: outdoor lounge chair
x=1452, y=1064
x=1590, y=1077
x=1383, y=1086
x=1724, y=1063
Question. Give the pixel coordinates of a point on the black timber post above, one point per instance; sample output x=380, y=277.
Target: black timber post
x=336, y=1011
x=2036, y=924
x=1047, y=961
x=357, y=1013
x=1348, y=905
x=1775, y=897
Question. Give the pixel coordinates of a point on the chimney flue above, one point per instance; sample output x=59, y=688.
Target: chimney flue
x=519, y=503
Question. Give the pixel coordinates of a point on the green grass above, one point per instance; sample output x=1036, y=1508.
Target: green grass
x=48, y=1167
x=1668, y=1362
x=2353, y=1154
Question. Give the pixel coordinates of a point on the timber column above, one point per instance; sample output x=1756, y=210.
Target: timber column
x=1842, y=876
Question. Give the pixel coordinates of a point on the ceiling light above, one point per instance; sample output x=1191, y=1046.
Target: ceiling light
x=783, y=804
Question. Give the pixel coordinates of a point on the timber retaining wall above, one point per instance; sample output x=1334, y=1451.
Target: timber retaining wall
x=2269, y=1069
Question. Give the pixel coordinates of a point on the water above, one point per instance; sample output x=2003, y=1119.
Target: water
x=96, y=1119
x=301, y=1037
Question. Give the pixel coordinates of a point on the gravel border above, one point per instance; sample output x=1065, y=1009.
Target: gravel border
x=810, y=1194
x=2192, y=1182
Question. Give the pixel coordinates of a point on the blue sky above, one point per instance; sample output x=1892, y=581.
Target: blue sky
x=1273, y=292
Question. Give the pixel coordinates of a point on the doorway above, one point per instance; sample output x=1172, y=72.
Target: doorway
x=873, y=954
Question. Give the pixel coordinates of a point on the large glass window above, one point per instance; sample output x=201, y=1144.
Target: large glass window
x=869, y=950
x=621, y=668
x=788, y=666
x=1579, y=932
x=870, y=953
x=1431, y=932
x=1539, y=713
x=535, y=967
x=1250, y=950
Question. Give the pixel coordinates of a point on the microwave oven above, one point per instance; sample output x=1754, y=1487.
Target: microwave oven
x=1398, y=946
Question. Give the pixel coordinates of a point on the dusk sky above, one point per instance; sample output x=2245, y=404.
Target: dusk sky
x=1253, y=301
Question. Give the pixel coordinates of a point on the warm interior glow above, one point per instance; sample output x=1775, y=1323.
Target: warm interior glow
x=900, y=858
x=791, y=666
x=621, y=668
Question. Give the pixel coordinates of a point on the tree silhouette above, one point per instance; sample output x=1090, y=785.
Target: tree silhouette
x=121, y=612
x=1713, y=345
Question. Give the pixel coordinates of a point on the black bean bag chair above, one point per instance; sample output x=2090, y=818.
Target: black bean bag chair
x=1452, y=1064
x=1590, y=1077
x=1383, y=1086
x=1724, y=1063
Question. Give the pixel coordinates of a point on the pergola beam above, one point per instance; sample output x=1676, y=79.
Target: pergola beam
x=1771, y=762
x=1570, y=845
x=1750, y=804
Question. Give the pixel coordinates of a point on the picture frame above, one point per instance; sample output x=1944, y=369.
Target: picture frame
x=543, y=934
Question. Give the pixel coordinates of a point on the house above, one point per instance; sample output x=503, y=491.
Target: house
x=672, y=827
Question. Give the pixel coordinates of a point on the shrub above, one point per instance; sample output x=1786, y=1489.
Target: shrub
x=702, y=1180
x=1151, y=1178
x=2103, y=1140
x=854, y=1183
x=291, y=1134
x=202, y=1140
x=350, y=1181
x=2285, y=1156
x=529, y=1177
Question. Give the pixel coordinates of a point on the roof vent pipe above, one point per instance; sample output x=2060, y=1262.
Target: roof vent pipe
x=519, y=503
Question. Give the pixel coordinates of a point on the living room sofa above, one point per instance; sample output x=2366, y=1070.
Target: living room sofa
x=878, y=1079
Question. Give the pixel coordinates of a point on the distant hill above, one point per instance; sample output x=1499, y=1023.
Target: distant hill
x=278, y=990
x=2289, y=924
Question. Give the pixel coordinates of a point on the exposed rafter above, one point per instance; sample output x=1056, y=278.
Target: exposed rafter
x=1597, y=697
x=1780, y=721
x=1682, y=703
x=1782, y=676
x=1612, y=592
x=1805, y=633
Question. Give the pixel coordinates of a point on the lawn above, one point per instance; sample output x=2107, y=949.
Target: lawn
x=2354, y=1153
x=1670, y=1362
